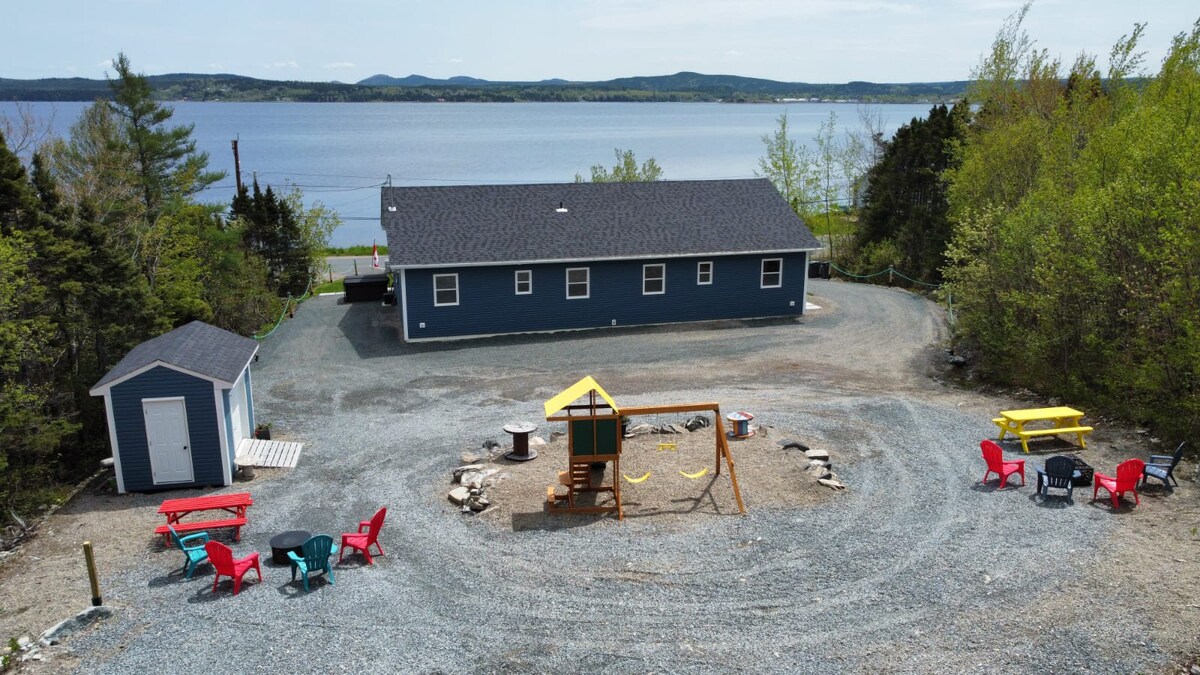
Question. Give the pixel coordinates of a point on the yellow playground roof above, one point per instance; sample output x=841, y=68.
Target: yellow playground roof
x=572, y=393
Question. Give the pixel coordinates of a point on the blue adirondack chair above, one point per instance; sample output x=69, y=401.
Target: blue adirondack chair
x=317, y=551
x=193, y=553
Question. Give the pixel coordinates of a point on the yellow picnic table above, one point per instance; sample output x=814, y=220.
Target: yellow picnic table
x=1066, y=421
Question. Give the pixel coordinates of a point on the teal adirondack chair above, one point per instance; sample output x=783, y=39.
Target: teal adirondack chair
x=317, y=551
x=193, y=553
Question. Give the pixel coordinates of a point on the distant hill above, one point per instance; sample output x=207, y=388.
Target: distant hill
x=719, y=86
x=684, y=86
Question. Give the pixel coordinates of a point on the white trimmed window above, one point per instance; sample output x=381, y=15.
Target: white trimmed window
x=445, y=290
x=578, y=283
x=772, y=273
x=654, y=279
x=524, y=282
x=704, y=273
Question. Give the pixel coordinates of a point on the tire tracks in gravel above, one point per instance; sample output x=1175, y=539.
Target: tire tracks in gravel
x=903, y=558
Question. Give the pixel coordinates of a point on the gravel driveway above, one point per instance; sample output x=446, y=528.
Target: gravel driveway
x=916, y=567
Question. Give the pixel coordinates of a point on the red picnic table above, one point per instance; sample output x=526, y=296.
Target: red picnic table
x=234, y=503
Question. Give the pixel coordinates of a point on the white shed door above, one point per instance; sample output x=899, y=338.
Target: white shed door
x=167, y=434
x=238, y=412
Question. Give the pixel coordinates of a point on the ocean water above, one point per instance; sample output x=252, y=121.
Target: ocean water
x=340, y=153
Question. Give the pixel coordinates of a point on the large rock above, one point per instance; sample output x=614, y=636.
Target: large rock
x=459, y=495
x=832, y=483
x=640, y=430
x=466, y=468
x=554, y=436
x=536, y=441
x=815, y=453
x=65, y=628
x=677, y=428
x=476, y=479
x=818, y=471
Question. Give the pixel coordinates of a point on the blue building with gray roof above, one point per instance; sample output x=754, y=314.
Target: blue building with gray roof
x=179, y=405
x=478, y=260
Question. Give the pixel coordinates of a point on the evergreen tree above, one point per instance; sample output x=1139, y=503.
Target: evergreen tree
x=906, y=204
x=271, y=231
x=167, y=163
x=32, y=423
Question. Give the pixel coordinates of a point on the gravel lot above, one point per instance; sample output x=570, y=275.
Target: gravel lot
x=917, y=567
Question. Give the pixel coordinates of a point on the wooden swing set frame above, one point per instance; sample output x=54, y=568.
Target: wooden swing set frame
x=594, y=437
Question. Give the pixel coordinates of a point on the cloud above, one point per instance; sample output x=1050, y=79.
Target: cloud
x=340, y=65
x=283, y=64
x=106, y=63
x=216, y=66
x=733, y=52
x=454, y=60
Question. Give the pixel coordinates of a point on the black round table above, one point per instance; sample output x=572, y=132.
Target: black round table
x=292, y=540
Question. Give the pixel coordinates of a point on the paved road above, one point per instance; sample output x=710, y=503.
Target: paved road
x=915, y=568
x=346, y=265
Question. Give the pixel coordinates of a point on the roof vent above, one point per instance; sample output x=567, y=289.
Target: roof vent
x=392, y=209
x=561, y=208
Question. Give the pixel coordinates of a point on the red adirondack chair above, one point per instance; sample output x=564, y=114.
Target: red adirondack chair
x=221, y=557
x=1128, y=474
x=362, y=540
x=994, y=456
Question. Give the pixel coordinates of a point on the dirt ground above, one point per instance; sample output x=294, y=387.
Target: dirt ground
x=764, y=469
x=45, y=580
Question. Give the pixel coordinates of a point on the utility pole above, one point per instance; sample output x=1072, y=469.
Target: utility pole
x=237, y=165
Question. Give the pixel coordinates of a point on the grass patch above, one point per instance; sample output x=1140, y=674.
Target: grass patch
x=338, y=286
x=353, y=250
x=840, y=223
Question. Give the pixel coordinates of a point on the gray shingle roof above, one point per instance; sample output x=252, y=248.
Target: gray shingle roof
x=197, y=347
x=520, y=223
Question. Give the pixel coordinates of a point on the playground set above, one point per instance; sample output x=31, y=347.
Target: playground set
x=594, y=439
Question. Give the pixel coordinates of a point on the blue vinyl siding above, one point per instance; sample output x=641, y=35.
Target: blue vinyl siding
x=489, y=305
x=204, y=426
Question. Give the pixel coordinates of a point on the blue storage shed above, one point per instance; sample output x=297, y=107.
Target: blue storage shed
x=478, y=260
x=179, y=405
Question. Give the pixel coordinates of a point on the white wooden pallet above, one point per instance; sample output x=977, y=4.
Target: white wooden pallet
x=276, y=454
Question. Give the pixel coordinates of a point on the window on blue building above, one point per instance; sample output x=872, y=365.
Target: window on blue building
x=772, y=272
x=578, y=285
x=524, y=282
x=445, y=290
x=704, y=273
x=654, y=279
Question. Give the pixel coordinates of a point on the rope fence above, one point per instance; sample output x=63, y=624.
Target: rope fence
x=287, y=307
x=892, y=271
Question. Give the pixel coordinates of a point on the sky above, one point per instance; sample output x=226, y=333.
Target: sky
x=584, y=40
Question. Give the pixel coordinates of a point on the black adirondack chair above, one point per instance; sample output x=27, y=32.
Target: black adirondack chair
x=1058, y=473
x=1162, y=467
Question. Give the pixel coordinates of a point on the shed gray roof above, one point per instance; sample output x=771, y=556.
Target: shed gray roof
x=479, y=224
x=197, y=347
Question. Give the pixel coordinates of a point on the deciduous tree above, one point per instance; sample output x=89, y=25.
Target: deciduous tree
x=626, y=170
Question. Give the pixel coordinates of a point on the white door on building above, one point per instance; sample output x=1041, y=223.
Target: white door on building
x=167, y=434
x=239, y=412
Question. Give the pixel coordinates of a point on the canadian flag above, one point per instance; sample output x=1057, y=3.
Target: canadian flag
x=374, y=255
